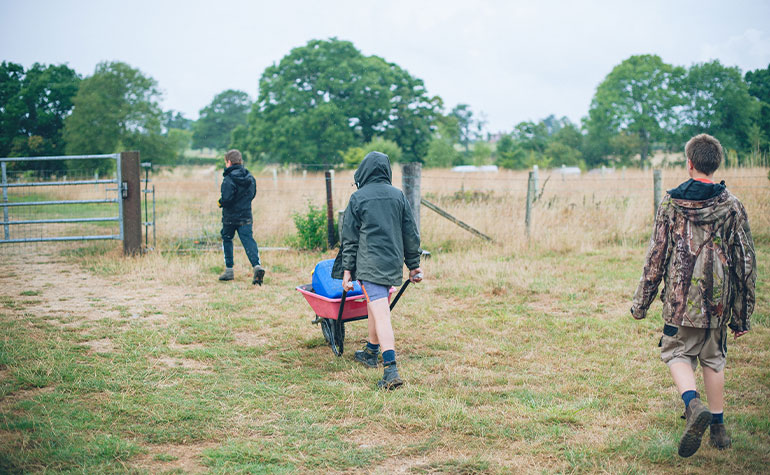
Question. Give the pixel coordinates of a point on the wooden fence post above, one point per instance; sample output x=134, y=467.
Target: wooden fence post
x=132, y=203
x=340, y=215
x=410, y=183
x=657, y=178
x=331, y=238
x=530, y=199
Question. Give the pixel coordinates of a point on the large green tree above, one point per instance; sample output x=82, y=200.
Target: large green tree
x=759, y=86
x=324, y=97
x=116, y=109
x=214, y=127
x=33, y=106
x=717, y=102
x=640, y=96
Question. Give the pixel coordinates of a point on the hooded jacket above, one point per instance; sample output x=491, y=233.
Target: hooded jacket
x=379, y=233
x=238, y=190
x=703, y=250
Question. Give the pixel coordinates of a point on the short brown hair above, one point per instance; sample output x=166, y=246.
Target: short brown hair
x=705, y=153
x=234, y=157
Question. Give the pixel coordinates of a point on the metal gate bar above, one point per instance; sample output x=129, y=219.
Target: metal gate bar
x=5, y=204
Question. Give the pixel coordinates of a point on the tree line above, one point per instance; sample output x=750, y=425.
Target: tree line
x=326, y=104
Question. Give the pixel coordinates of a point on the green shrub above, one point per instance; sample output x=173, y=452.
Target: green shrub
x=311, y=229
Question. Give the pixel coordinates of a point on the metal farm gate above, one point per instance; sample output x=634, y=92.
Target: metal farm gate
x=125, y=194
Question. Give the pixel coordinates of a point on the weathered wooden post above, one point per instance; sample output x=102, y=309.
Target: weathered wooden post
x=657, y=178
x=410, y=184
x=132, y=202
x=530, y=199
x=329, y=211
x=340, y=216
x=535, y=170
x=275, y=178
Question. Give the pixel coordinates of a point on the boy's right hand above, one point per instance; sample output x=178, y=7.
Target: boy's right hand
x=347, y=283
x=415, y=275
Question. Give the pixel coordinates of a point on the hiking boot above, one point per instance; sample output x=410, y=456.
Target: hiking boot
x=718, y=437
x=227, y=274
x=390, y=379
x=367, y=357
x=698, y=418
x=259, y=274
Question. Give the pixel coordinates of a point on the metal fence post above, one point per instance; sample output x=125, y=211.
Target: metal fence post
x=657, y=178
x=130, y=192
x=530, y=199
x=6, y=227
x=410, y=183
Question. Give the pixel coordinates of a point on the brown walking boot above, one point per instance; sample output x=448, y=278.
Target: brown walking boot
x=718, y=437
x=698, y=418
x=227, y=274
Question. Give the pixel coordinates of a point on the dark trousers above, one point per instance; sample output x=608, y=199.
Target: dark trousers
x=247, y=239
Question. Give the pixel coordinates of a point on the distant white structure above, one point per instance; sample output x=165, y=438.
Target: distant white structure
x=473, y=168
x=565, y=170
x=602, y=171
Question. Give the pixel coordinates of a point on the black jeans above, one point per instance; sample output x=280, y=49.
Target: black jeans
x=247, y=239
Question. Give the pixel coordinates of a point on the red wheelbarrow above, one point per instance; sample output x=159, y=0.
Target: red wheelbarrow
x=333, y=313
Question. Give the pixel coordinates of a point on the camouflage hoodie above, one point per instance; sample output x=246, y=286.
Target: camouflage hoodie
x=704, y=252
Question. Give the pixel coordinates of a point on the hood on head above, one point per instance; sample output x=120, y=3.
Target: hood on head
x=375, y=167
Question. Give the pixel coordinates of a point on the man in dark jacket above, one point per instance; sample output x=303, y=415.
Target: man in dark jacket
x=238, y=190
x=702, y=249
x=379, y=236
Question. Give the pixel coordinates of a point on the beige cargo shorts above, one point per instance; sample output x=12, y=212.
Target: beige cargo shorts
x=690, y=345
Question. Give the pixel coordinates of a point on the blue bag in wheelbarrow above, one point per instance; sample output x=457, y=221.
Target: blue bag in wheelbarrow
x=325, y=285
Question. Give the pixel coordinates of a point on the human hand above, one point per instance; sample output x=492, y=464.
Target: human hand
x=347, y=283
x=738, y=334
x=415, y=275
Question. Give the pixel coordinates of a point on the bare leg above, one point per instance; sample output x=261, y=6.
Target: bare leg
x=379, y=311
x=715, y=385
x=372, y=330
x=684, y=377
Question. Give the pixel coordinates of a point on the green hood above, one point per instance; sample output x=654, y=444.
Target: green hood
x=375, y=168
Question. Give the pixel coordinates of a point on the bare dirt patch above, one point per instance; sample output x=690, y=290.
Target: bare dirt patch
x=186, y=363
x=174, y=457
x=104, y=345
x=250, y=339
x=23, y=395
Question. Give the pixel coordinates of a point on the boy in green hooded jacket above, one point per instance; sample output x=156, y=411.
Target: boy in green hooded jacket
x=379, y=236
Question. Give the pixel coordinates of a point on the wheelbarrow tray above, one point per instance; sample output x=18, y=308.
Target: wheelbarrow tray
x=355, y=307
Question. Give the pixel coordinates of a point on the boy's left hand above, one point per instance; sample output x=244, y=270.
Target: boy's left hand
x=738, y=334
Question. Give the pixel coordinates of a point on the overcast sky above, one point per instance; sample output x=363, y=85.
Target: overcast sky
x=509, y=60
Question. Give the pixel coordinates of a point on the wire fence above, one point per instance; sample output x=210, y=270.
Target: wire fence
x=579, y=212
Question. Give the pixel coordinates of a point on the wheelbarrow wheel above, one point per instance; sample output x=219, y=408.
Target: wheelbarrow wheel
x=334, y=335
x=327, y=329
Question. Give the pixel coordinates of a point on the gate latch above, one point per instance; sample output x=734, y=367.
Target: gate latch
x=124, y=189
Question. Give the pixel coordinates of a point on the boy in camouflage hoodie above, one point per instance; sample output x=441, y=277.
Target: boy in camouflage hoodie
x=701, y=246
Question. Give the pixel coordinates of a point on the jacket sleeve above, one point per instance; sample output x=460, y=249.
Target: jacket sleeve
x=654, y=266
x=744, y=275
x=410, y=236
x=351, y=227
x=228, y=191
x=252, y=188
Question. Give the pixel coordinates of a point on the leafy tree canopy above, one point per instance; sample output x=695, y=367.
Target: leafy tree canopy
x=759, y=87
x=228, y=110
x=33, y=106
x=640, y=96
x=116, y=109
x=325, y=97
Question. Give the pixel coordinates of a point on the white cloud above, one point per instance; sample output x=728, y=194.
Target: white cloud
x=749, y=50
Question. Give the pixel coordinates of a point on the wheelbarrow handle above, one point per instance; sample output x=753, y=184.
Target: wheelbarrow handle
x=342, y=304
x=398, y=295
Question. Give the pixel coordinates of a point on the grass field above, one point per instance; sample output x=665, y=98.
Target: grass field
x=518, y=356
